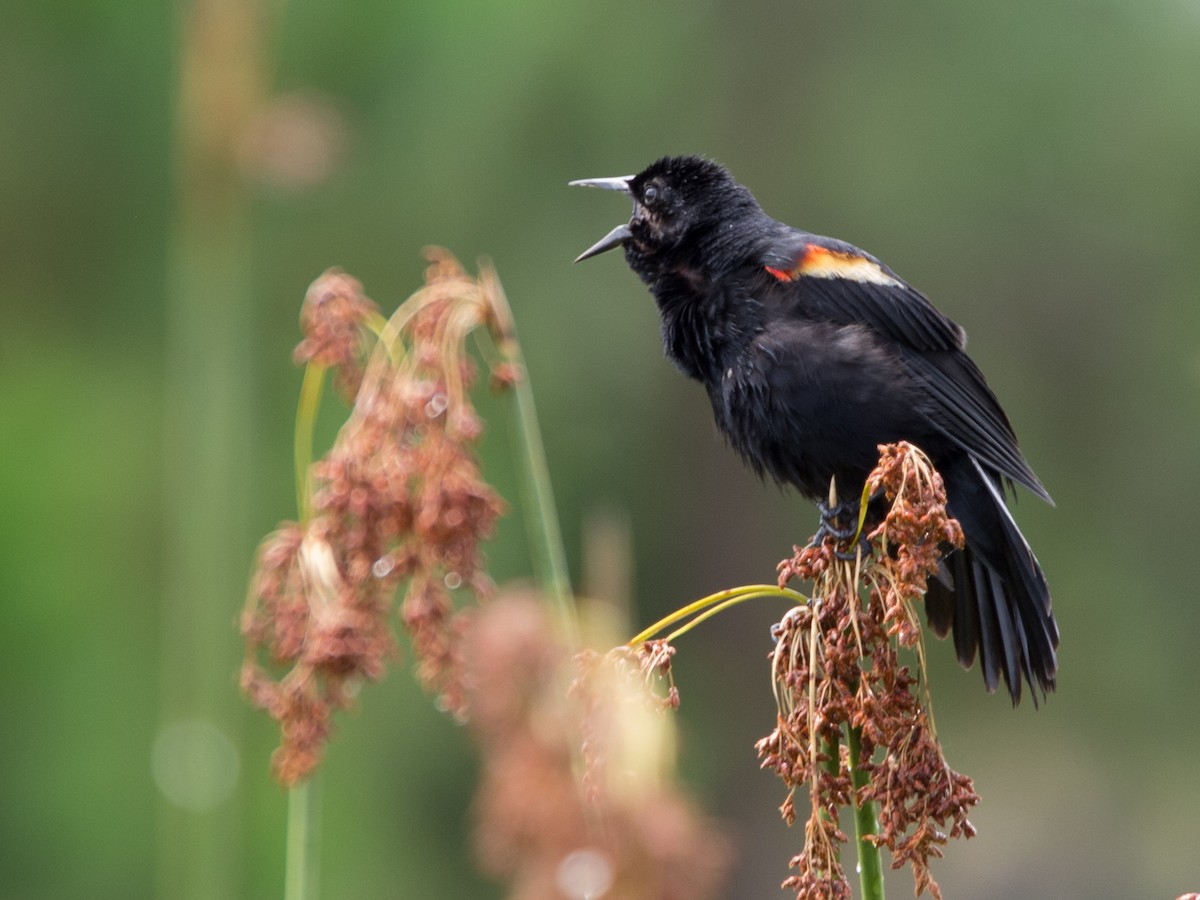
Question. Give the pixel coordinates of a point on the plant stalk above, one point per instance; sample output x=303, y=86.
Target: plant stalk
x=721, y=600
x=306, y=419
x=550, y=557
x=302, y=837
x=541, y=520
x=870, y=864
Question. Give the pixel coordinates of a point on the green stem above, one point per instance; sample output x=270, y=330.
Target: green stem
x=870, y=864
x=832, y=765
x=550, y=557
x=306, y=418
x=829, y=746
x=541, y=519
x=303, y=827
x=302, y=835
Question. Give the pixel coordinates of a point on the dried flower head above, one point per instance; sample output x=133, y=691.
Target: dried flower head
x=334, y=319
x=397, y=502
x=837, y=672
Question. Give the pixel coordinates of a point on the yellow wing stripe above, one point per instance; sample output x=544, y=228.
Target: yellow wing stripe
x=821, y=262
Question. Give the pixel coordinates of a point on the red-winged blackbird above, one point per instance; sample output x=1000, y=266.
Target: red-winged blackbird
x=813, y=354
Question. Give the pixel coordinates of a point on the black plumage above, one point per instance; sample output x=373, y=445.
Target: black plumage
x=813, y=353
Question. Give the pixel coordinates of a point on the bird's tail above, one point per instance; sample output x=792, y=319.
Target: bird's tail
x=992, y=593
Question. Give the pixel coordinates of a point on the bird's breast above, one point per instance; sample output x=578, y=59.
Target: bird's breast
x=804, y=403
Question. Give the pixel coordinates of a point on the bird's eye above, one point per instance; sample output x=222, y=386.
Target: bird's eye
x=649, y=195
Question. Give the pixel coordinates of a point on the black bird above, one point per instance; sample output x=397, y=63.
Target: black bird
x=813, y=353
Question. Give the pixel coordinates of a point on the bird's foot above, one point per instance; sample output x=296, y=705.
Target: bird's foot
x=840, y=522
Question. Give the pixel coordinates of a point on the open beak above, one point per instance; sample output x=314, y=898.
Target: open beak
x=614, y=238
x=618, y=235
x=620, y=183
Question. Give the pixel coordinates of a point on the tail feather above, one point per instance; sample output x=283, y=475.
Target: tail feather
x=992, y=594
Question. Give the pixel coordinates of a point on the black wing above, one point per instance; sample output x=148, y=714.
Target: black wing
x=830, y=280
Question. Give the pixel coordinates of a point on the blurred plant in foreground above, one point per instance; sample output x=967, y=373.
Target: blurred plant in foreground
x=577, y=798
x=623, y=829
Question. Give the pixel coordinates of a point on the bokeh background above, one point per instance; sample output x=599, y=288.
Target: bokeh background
x=172, y=177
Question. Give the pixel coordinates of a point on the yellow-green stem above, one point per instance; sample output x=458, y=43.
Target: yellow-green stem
x=722, y=600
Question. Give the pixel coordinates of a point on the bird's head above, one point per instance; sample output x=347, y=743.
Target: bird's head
x=680, y=206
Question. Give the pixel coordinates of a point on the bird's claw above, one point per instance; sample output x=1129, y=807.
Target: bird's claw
x=840, y=522
x=832, y=518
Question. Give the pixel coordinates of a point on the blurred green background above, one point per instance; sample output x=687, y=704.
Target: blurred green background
x=172, y=177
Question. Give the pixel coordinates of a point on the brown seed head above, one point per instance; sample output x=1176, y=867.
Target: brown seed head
x=836, y=666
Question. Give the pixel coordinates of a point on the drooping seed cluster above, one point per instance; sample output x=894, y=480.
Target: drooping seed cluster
x=838, y=674
x=397, y=502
